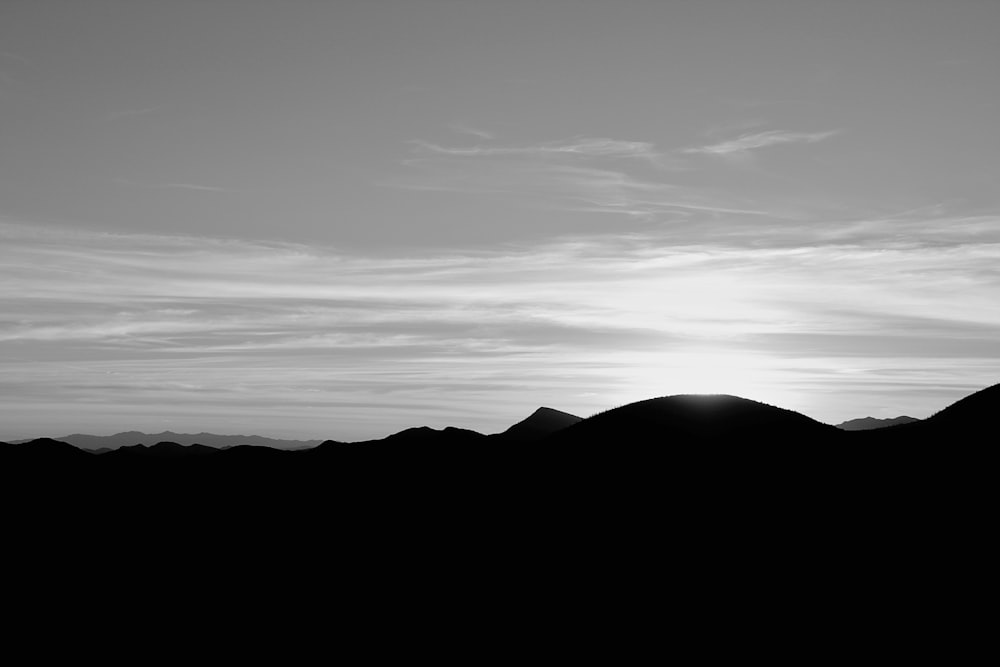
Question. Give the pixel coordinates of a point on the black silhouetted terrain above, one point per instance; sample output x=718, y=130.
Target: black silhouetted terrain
x=727, y=500
x=869, y=423
x=43, y=451
x=974, y=413
x=424, y=435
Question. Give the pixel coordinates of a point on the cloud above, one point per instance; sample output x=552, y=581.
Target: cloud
x=582, y=175
x=749, y=142
x=173, y=186
x=462, y=128
x=581, y=146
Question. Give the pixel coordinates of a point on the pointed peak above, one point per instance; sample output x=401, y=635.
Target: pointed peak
x=551, y=412
x=540, y=423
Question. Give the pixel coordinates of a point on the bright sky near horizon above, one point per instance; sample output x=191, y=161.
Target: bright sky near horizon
x=340, y=219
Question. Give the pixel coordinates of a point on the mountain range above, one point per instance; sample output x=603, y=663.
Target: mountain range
x=673, y=421
x=539, y=424
x=665, y=426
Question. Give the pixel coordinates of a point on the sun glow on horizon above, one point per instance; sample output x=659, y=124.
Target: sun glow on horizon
x=706, y=371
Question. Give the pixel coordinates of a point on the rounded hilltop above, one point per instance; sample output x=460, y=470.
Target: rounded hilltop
x=686, y=418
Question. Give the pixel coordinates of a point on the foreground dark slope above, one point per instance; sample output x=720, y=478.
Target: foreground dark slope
x=727, y=485
x=969, y=421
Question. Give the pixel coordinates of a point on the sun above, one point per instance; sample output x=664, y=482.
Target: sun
x=705, y=371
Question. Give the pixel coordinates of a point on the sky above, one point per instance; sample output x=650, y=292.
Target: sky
x=340, y=219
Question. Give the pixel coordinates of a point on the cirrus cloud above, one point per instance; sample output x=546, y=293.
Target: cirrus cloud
x=749, y=142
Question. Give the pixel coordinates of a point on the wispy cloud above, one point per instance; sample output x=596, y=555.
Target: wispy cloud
x=749, y=142
x=473, y=338
x=192, y=186
x=559, y=185
x=463, y=128
x=173, y=186
x=589, y=175
x=594, y=147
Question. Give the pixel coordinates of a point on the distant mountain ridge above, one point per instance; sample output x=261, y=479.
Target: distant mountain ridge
x=548, y=435
x=540, y=423
x=869, y=423
x=130, y=438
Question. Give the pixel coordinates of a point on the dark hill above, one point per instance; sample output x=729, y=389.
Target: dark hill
x=542, y=422
x=43, y=463
x=691, y=419
x=45, y=450
x=976, y=411
x=424, y=435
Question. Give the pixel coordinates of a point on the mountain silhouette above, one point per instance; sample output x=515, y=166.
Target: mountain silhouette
x=731, y=491
x=424, y=435
x=541, y=423
x=638, y=439
x=678, y=470
x=868, y=423
x=688, y=419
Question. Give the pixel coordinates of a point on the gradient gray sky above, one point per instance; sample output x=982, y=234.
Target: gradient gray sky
x=338, y=219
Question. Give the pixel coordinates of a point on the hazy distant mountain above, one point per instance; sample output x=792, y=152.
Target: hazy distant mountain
x=868, y=423
x=541, y=423
x=129, y=438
